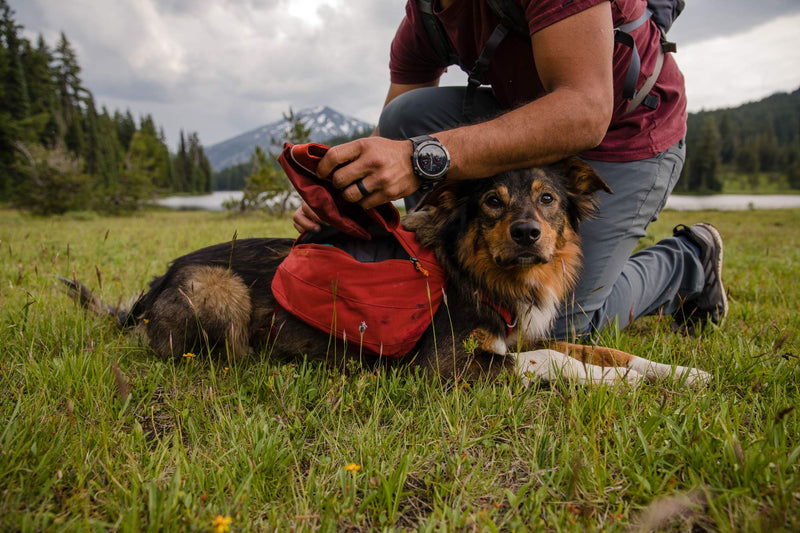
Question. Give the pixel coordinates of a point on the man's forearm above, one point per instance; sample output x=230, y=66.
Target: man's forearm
x=555, y=126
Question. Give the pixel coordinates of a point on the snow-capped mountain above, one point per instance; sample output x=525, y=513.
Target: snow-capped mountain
x=324, y=123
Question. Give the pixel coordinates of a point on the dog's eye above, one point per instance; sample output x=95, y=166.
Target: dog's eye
x=493, y=201
x=546, y=198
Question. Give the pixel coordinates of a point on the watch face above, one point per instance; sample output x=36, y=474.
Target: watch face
x=432, y=159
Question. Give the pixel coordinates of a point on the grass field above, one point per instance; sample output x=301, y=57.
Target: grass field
x=96, y=434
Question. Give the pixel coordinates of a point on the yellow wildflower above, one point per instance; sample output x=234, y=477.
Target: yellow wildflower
x=352, y=467
x=221, y=524
x=189, y=354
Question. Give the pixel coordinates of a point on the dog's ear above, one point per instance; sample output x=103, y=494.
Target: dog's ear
x=434, y=211
x=444, y=197
x=582, y=182
x=441, y=200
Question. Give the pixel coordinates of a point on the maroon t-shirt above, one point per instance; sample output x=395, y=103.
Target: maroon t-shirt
x=512, y=73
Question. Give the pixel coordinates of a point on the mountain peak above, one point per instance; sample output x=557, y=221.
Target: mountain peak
x=325, y=123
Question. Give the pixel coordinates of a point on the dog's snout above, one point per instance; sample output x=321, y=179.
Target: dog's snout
x=525, y=232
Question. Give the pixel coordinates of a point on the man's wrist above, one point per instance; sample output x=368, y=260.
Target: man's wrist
x=430, y=161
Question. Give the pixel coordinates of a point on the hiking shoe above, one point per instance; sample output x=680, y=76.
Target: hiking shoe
x=712, y=303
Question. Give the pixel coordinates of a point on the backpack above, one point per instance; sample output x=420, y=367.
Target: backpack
x=512, y=19
x=363, y=278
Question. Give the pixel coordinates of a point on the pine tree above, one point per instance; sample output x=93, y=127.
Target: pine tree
x=126, y=127
x=183, y=168
x=706, y=160
x=261, y=186
x=148, y=157
x=202, y=176
x=42, y=92
x=15, y=97
x=769, y=152
x=793, y=164
x=728, y=141
x=296, y=133
x=69, y=88
x=10, y=128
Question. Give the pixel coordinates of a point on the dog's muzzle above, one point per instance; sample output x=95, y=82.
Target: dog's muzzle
x=525, y=234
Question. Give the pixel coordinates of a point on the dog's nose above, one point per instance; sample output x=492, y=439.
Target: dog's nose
x=525, y=232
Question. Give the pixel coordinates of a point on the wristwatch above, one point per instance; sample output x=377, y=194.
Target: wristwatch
x=430, y=161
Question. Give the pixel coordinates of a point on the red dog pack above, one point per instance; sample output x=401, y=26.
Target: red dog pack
x=362, y=278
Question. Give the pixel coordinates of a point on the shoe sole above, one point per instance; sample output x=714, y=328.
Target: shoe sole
x=718, y=267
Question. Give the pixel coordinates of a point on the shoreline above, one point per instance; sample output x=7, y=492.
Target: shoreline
x=717, y=202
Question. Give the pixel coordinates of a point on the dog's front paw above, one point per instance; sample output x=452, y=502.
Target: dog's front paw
x=534, y=366
x=692, y=377
x=550, y=365
x=679, y=374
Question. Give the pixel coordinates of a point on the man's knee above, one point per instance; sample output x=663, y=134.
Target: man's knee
x=405, y=115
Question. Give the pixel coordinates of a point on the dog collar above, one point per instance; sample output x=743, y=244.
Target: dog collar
x=508, y=317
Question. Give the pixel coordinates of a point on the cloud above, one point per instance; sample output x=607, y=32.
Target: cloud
x=728, y=71
x=222, y=67
x=702, y=20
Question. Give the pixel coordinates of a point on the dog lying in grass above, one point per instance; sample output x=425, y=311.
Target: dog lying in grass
x=508, y=244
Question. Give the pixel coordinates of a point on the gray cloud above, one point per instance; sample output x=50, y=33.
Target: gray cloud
x=222, y=67
x=704, y=19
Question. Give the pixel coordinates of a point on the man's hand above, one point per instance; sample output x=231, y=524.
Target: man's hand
x=382, y=166
x=304, y=219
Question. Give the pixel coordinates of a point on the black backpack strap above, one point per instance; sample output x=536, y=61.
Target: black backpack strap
x=477, y=75
x=436, y=34
x=622, y=35
x=511, y=16
x=643, y=95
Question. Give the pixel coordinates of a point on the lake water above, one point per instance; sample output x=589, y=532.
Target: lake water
x=208, y=202
x=720, y=202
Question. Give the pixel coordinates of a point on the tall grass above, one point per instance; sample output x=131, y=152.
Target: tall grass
x=97, y=434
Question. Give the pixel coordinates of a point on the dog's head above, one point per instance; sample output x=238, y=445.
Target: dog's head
x=501, y=228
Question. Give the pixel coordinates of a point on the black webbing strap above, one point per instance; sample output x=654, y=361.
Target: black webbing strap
x=622, y=35
x=634, y=67
x=477, y=75
x=511, y=14
x=643, y=95
x=436, y=34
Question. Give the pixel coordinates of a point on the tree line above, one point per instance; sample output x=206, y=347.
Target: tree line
x=756, y=145
x=58, y=152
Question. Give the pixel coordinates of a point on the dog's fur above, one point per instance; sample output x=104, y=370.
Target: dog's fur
x=509, y=242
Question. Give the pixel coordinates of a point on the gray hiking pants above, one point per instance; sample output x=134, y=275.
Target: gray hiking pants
x=615, y=286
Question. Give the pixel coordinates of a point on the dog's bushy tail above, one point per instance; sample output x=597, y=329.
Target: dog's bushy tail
x=91, y=302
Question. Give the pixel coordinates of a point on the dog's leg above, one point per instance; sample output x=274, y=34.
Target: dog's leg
x=610, y=357
x=209, y=308
x=549, y=365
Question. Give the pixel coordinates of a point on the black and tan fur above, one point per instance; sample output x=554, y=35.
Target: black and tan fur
x=509, y=242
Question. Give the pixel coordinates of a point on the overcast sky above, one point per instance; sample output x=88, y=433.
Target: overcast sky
x=223, y=67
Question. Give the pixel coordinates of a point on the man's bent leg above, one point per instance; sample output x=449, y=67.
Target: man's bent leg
x=614, y=285
x=431, y=109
